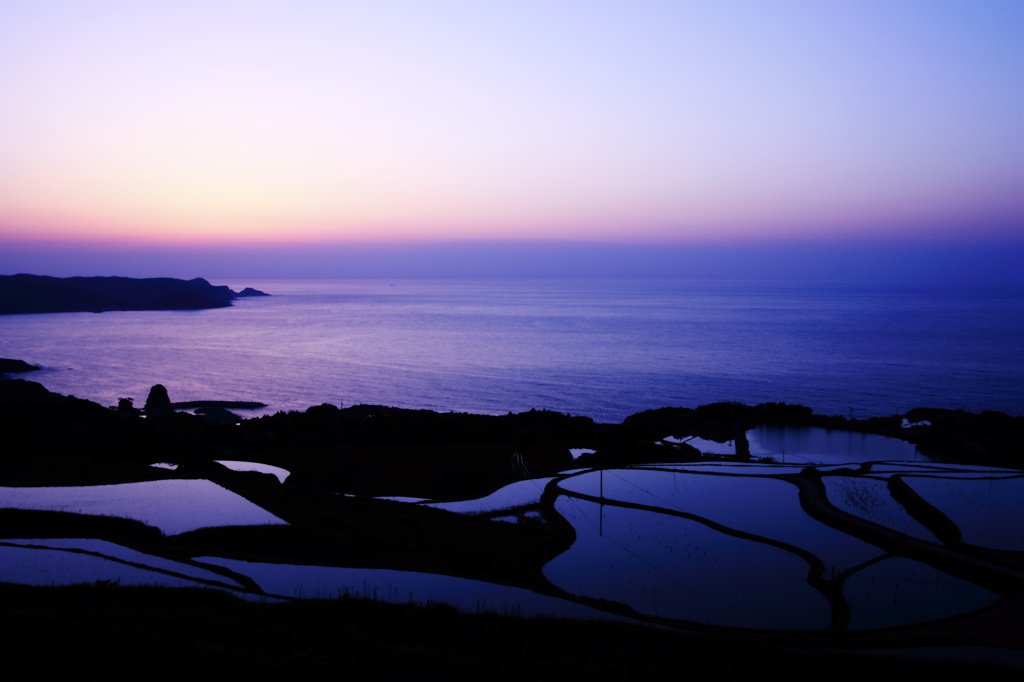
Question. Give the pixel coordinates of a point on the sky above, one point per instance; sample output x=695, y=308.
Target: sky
x=334, y=138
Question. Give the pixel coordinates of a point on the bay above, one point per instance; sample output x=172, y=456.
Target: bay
x=600, y=348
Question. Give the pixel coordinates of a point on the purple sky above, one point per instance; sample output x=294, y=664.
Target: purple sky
x=449, y=137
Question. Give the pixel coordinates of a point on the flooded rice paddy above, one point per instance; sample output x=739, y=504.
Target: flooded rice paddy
x=741, y=546
x=173, y=506
x=850, y=545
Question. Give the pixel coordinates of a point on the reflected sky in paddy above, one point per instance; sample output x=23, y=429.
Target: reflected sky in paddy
x=173, y=506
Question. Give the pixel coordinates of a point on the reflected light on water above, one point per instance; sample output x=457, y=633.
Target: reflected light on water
x=173, y=506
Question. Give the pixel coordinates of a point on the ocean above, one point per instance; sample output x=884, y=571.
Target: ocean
x=600, y=348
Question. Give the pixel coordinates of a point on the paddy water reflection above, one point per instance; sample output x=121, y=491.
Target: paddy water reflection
x=679, y=568
x=768, y=550
x=278, y=472
x=869, y=498
x=51, y=561
x=814, y=445
x=174, y=505
x=988, y=511
x=734, y=545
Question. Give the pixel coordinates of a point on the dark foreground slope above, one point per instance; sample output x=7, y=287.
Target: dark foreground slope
x=95, y=632
x=21, y=294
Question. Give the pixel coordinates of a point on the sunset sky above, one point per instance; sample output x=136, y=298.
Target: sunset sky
x=309, y=127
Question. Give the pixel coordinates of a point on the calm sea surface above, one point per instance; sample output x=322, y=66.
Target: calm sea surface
x=605, y=349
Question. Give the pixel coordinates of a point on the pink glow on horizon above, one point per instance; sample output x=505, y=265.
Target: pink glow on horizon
x=934, y=221
x=225, y=122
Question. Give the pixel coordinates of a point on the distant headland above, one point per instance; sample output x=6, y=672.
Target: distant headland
x=8, y=366
x=24, y=294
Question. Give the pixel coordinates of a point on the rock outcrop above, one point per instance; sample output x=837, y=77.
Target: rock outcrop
x=158, y=404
